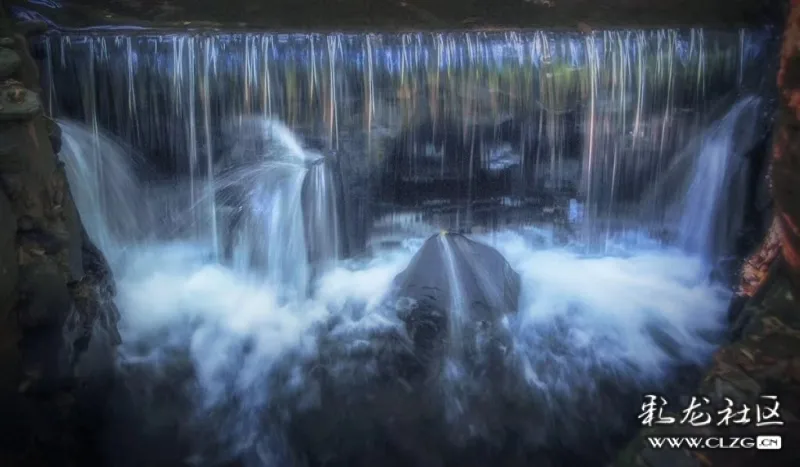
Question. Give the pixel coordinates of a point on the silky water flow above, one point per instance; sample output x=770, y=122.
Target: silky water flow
x=285, y=303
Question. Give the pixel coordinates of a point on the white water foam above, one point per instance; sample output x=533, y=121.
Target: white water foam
x=582, y=321
x=244, y=349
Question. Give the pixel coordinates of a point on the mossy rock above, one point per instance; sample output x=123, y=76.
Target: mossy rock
x=9, y=62
x=18, y=103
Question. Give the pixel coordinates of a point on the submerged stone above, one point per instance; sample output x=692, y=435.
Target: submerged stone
x=370, y=394
x=453, y=288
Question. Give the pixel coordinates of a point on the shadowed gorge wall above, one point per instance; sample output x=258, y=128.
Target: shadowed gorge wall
x=786, y=157
x=57, y=319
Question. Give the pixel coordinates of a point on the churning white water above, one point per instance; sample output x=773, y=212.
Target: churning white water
x=106, y=189
x=242, y=338
x=719, y=174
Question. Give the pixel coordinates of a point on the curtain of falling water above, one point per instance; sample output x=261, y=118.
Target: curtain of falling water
x=594, y=116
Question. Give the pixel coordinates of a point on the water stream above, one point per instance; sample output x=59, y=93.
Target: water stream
x=479, y=129
x=258, y=254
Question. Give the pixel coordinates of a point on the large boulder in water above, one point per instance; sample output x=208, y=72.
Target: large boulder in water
x=453, y=291
x=370, y=393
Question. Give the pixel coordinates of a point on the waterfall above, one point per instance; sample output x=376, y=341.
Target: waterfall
x=270, y=209
x=458, y=313
x=103, y=182
x=251, y=325
x=274, y=227
x=712, y=213
x=323, y=198
x=500, y=128
x=268, y=232
x=266, y=171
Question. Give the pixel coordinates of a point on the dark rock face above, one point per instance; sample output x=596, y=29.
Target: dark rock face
x=785, y=174
x=393, y=414
x=452, y=286
x=57, y=317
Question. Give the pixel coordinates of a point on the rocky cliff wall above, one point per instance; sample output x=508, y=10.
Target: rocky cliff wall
x=763, y=356
x=57, y=317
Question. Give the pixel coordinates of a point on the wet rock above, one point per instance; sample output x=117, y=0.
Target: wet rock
x=18, y=103
x=29, y=70
x=8, y=256
x=370, y=395
x=363, y=401
x=96, y=267
x=453, y=290
x=42, y=357
x=56, y=292
x=9, y=62
x=12, y=158
x=54, y=133
x=30, y=28
x=93, y=296
x=34, y=237
x=26, y=224
x=46, y=298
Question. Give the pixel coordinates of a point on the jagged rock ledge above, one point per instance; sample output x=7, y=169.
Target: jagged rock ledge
x=57, y=317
